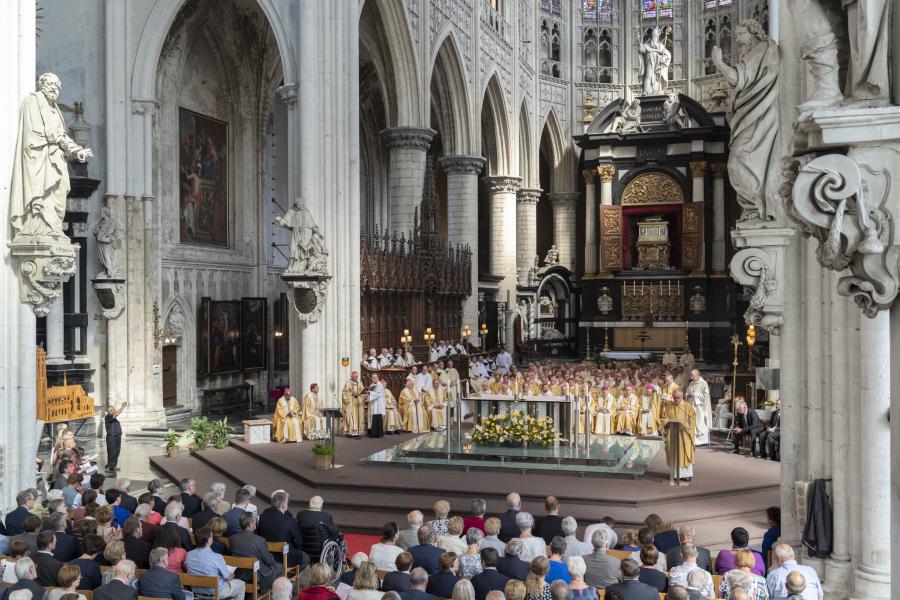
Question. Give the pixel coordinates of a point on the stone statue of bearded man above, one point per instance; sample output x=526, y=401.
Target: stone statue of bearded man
x=40, y=182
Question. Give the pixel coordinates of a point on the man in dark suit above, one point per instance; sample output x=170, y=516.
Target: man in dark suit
x=746, y=423
x=46, y=566
x=550, y=525
x=136, y=549
x=31, y=528
x=511, y=565
x=192, y=503
x=418, y=581
x=15, y=521
x=649, y=573
x=247, y=543
x=770, y=438
x=233, y=516
x=490, y=578
x=602, y=569
x=426, y=554
x=158, y=582
x=441, y=583
x=200, y=519
x=128, y=501
x=64, y=469
x=508, y=527
x=277, y=524
x=67, y=546
x=631, y=588
x=686, y=533
x=316, y=526
x=26, y=572
x=118, y=588
x=398, y=581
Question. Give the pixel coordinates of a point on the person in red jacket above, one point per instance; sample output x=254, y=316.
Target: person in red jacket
x=320, y=576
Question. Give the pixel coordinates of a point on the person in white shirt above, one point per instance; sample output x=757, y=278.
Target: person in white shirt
x=532, y=546
x=481, y=369
x=372, y=361
x=434, y=354
x=384, y=554
x=385, y=360
x=504, y=360
x=574, y=546
x=785, y=564
x=606, y=524
x=423, y=379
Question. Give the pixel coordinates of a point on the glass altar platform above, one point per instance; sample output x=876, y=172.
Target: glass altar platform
x=605, y=455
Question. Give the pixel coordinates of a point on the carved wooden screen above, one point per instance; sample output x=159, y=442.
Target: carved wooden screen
x=611, y=237
x=692, y=236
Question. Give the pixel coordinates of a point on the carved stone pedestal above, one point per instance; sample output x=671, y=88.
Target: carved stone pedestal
x=307, y=295
x=111, y=296
x=759, y=264
x=45, y=263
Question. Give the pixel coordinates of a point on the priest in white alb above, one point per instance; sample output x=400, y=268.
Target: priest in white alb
x=697, y=393
x=376, y=407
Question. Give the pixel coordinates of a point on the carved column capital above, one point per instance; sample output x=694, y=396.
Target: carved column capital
x=607, y=173
x=719, y=170
x=408, y=137
x=528, y=196
x=462, y=165
x=759, y=264
x=499, y=184
x=698, y=169
x=288, y=94
x=589, y=176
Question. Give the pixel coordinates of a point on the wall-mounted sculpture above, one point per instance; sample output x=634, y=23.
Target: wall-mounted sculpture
x=307, y=273
x=40, y=185
x=109, y=284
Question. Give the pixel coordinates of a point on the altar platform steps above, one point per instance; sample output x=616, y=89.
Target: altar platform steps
x=362, y=498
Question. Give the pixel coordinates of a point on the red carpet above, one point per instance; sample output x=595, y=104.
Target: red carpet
x=359, y=542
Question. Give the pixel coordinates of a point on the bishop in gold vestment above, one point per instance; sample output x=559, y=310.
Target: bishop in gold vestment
x=286, y=421
x=314, y=426
x=353, y=406
x=392, y=423
x=412, y=405
x=679, y=410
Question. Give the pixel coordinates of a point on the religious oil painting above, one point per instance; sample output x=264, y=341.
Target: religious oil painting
x=253, y=333
x=224, y=337
x=203, y=338
x=203, y=179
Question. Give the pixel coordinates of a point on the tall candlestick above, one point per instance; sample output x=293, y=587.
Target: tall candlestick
x=669, y=286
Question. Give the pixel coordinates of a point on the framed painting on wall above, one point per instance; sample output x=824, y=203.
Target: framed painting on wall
x=224, y=336
x=281, y=345
x=202, y=179
x=203, y=339
x=253, y=333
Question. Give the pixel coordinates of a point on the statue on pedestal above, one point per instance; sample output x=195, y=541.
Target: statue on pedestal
x=301, y=224
x=628, y=120
x=655, y=61
x=672, y=111
x=106, y=232
x=307, y=273
x=40, y=182
x=755, y=123
x=552, y=257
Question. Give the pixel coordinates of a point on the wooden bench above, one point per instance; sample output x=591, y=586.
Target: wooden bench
x=282, y=548
x=189, y=582
x=248, y=563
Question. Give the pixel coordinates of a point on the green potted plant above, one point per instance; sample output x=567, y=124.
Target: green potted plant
x=171, y=443
x=199, y=434
x=219, y=433
x=324, y=455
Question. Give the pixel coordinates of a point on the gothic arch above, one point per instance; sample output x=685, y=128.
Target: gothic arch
x=179, y=319
x=156, y=32
x=385, y=39
x=553, y=131
x=525, y=164
x=448, y=95
x=495, y=134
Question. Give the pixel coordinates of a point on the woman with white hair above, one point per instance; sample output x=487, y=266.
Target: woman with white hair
x=578, y=589
x=532, y=546
x=470, y=561
x=221, y=506
x=463, y=590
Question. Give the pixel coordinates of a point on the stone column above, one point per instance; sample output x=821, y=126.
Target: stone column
x=406, y=172
x=526, y=231
x=55, y=330
x=563, y=204
x=607, y=174
x=838, y=568
x=719, y=171
x=590, y=222
x=462, y=203
x=502, y=190
x=698, y=176
x=872, y=578
x=18, y=430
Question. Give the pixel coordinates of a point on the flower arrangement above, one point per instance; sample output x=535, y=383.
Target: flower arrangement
x=514, y=428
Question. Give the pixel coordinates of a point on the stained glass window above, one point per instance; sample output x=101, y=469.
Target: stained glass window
x=545, y=5
x=556, y=8
x=711, y=4
x=649, y=8
x=594, y=10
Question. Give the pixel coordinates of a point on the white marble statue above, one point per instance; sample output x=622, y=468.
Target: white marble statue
x=106, y=232
x=304, y=236
x=868, y=24
x=40, y=180
x=655, y=61
x=318, y=254
x=628, y=120
x=672, y=111
x=753, y=159
x=552, y=256
x=819, y=50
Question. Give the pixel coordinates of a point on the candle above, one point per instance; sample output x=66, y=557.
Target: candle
x=669, y=286
x=642, y=287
